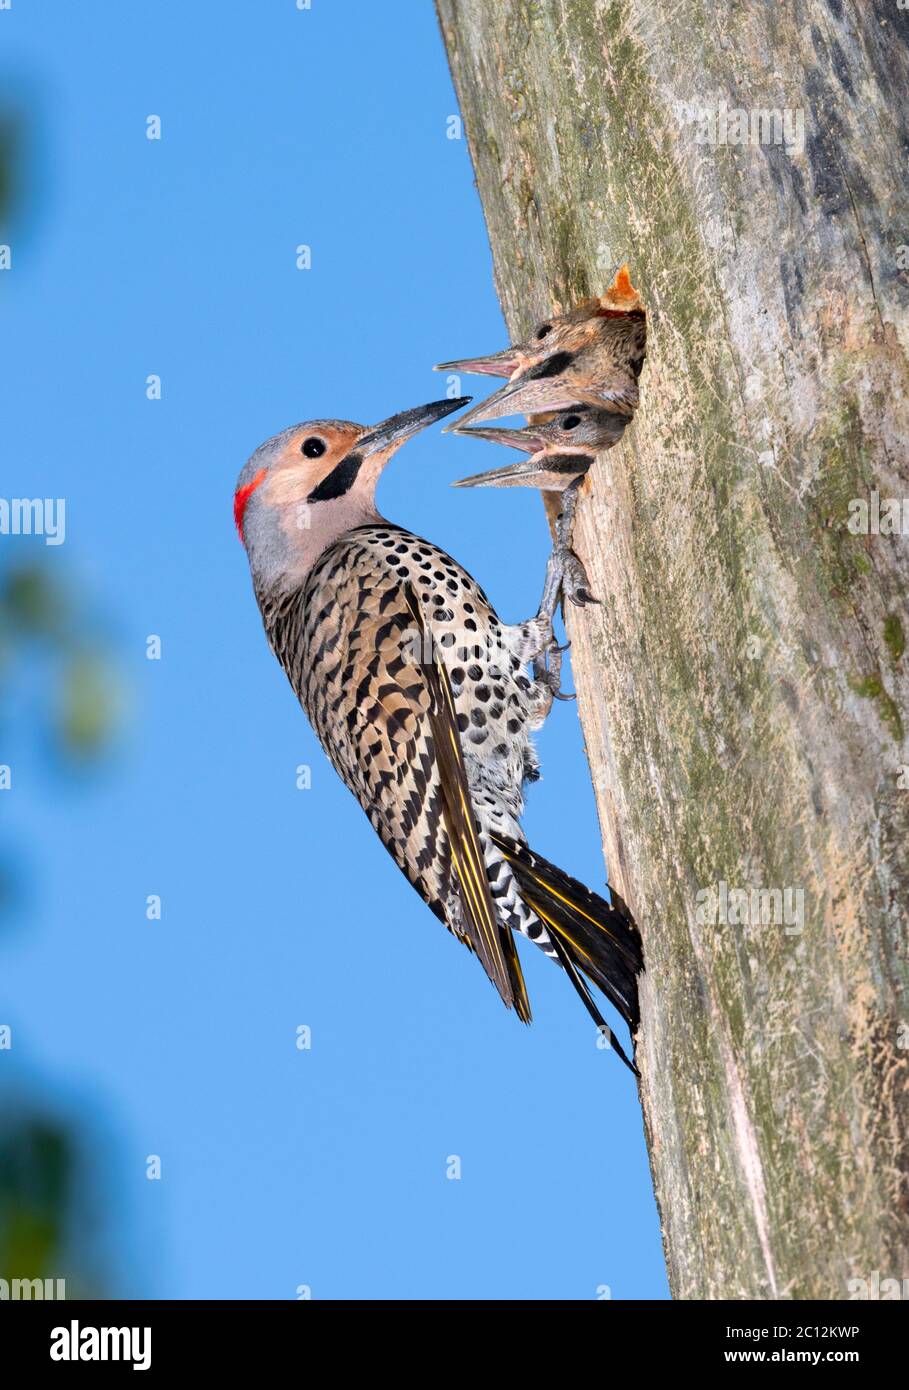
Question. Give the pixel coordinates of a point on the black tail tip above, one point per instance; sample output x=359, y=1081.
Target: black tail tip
x=619, y=1050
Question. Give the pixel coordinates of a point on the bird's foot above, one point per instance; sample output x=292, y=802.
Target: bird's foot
x=547, y=671
x=566, y=577
x=574, y=584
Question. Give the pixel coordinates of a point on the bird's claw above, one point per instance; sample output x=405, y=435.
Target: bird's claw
x=547, y=670
x=575, y=586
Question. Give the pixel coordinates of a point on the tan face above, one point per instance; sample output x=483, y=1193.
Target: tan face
x=296, y=467
x=311, y=453
x=324, y=466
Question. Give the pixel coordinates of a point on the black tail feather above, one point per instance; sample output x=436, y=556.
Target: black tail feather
x=595, y=937
x=587, y=1000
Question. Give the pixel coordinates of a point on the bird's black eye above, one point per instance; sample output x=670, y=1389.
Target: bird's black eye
x=570, y=422
x=313, y=447
x=543, y=330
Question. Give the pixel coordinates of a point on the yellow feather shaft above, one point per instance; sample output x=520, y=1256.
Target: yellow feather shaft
x=556, y=928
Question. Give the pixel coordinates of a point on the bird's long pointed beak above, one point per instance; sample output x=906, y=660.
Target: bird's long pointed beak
x=526, y=395
x=524, y=473
x=550, y=473
x=393, y=431
x=527, y=440
x=494, y=364
x=533, y=393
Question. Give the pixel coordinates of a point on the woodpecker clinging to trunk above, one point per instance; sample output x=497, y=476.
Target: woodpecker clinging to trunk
x=418, y=694
x=592, y=355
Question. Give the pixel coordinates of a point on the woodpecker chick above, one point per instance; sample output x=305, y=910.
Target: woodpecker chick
x=592, y=355
x=561, y=449
x=418, y=695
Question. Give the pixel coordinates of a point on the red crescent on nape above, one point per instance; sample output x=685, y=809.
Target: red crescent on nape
x=242, y=496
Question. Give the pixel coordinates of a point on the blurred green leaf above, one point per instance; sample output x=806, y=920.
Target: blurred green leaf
x=31, y=603
x=36, y=608
x=88, y=704
x=36, y=1184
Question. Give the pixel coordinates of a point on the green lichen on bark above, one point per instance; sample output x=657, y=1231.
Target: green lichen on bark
x=894, y=636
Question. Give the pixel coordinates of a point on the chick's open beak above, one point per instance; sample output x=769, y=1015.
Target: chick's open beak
x=552, y=385
x=528, y=439
x=502, y=363
x=548, y=472
x=547, y=468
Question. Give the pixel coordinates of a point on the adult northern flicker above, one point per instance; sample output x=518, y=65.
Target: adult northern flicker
x=418, y=695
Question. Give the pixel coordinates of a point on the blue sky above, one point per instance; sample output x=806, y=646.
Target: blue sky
x=280, y=1167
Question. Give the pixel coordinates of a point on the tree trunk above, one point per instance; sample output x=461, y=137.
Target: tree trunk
x=743, y=688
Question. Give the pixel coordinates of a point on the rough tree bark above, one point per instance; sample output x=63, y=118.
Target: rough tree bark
x=743, y=689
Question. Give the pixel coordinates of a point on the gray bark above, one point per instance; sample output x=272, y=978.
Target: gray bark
x=743, y=688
